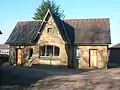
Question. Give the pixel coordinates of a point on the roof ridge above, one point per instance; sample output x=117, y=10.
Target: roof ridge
x=30, y=20
x=84, y=18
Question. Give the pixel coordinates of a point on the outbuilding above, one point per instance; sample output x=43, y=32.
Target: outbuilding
x=114, y=54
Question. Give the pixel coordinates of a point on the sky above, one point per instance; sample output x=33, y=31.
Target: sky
x=12, y=11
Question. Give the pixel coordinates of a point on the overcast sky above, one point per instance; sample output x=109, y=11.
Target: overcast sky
x=12, y=11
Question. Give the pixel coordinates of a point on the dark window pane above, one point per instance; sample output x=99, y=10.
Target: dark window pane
x=49, y=50
x=31, y=52
x=78, y=53
x=49, y=30
x=56, y=51
x=42, y=51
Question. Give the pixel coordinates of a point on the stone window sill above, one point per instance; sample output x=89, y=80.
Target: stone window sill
x=49, y=56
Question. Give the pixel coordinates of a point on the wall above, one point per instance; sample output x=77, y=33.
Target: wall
x=114, y=55
x=83, y=61
x=51, y=38
x=13, y=54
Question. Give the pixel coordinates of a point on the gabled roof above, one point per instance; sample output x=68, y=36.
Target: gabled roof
x=90, y=31
x=70, y=32
x=24, y=33
x=59, y=23
x=61, y=26
x=73, y=31
x=116, y=46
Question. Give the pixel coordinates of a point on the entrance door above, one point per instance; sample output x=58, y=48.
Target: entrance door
x=93, y=58
x=19, y=56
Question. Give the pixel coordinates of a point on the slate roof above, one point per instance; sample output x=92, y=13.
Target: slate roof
x=70, y=31
x=75, y=31
x=91, y=31
x=24, y=33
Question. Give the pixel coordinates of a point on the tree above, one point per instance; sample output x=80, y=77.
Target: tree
x=43, y=8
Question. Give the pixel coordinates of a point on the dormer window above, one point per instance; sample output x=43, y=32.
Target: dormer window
x=49, y=30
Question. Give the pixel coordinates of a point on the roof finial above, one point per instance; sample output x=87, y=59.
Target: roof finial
x=49, y=10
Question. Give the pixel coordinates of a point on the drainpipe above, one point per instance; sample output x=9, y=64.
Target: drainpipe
x=73, y=55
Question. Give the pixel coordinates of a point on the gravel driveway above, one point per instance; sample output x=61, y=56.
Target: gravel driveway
x=60, y=78
x=92, y=80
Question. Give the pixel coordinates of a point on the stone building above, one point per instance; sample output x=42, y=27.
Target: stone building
x=4, y=49
x=76, y=43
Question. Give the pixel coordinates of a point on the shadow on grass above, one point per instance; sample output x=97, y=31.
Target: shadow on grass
x=59, y=69
x=12, y=76
x=3, y=58
x=25, y=77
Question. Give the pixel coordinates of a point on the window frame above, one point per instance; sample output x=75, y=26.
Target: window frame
x=78, y=53
x=46, y=51
x=30, y=53
x=49, y=30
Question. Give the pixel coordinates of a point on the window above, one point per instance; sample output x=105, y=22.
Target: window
x=56, y=51
x=42, y=51
x=49, y=30
x=78, y=53
x=30, y=52
x=49, y=50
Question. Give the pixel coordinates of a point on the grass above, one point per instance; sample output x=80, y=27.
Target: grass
x=7, y=81
x=6, y=77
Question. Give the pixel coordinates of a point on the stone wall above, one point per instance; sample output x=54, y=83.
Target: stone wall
x=84, y=56
x=51, y=38
x=13, y=54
